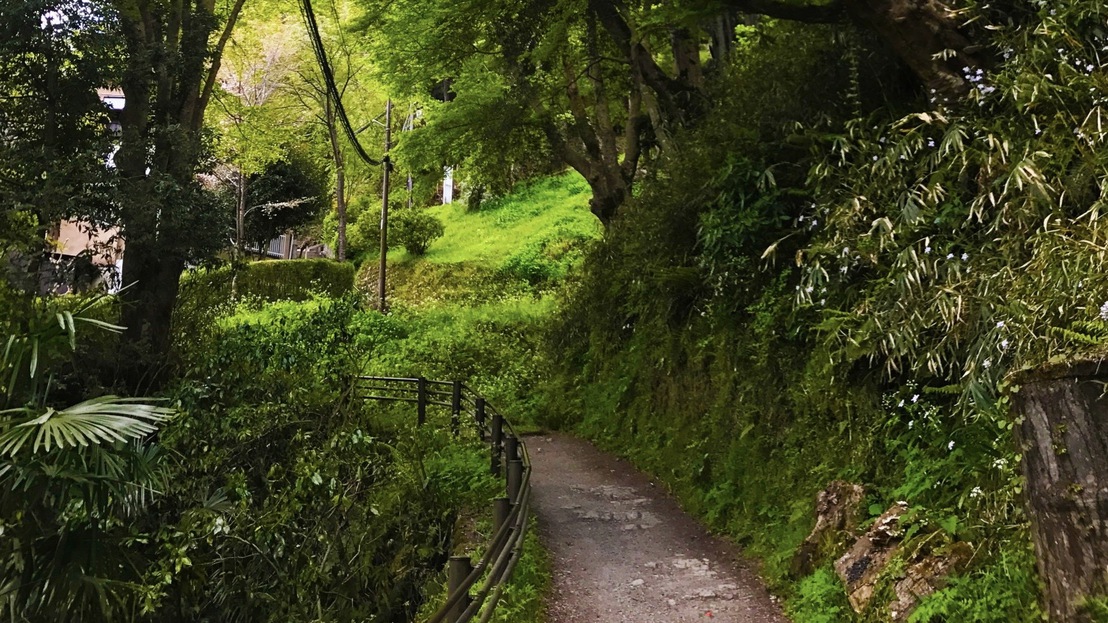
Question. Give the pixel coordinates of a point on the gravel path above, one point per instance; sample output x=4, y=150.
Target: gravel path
x=624, y=551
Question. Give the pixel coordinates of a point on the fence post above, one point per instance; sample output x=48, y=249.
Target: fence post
x=456, y=405
x=421, y=399
x=480, y=417
x=511, y=448
x=497, y=434
x=502, y=507
x=515, y=478
x=457, y=572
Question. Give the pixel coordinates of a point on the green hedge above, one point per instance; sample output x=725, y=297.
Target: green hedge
x=274, y=280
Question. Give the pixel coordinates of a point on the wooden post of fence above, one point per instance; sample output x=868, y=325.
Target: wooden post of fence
x=479, y=415
x=497, y=434
x=460, y=568
x=511, y=448
x=502, y=507
x=421, y=399
x=515, y=478
x=456, y=408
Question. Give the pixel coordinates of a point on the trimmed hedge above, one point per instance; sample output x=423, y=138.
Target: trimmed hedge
x=274, y=280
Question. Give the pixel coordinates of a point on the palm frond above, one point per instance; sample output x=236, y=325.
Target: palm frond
x=106, y=419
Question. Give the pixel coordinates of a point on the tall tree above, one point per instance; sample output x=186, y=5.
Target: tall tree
x=171, y=59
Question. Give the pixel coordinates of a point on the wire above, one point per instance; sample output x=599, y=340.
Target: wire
x=329, y=80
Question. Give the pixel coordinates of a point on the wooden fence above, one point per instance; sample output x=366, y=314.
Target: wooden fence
x=508, y=459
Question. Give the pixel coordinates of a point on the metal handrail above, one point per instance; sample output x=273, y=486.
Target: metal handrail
x=505, y=548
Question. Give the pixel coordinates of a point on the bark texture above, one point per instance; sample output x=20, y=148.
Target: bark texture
x=1063, y=434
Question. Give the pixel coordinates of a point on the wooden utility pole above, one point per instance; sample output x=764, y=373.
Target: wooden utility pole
x=387, y=167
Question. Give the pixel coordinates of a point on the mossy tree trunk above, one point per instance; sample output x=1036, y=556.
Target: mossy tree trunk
x=1063, y=434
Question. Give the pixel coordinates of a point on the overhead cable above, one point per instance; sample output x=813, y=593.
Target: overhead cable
x=329, y=81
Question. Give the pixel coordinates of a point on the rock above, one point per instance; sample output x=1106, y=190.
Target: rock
x=860, y=567
x=837, y=509
x=925, y=576
x=638, y=582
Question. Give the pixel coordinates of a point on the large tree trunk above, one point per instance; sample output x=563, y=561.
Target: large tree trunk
x=1063, y=433
x=926, y=35
x=170, y=72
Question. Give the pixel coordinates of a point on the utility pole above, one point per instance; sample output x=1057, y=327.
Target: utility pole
x=386, y=165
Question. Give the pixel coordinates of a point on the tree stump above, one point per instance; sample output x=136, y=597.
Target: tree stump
x=1063, y=435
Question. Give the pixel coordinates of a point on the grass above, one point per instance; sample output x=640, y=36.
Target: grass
x=550, y=207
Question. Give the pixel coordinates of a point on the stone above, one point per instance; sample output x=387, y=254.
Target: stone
x=837, y=510
x=860, y=567
x=638, y=582
x=925, y=576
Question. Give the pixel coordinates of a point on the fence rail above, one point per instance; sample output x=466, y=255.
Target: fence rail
x=508, y=459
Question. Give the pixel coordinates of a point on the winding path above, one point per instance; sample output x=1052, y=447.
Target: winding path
x=624, y=551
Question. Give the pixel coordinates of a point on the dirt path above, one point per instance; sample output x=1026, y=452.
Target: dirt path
x=624, y=551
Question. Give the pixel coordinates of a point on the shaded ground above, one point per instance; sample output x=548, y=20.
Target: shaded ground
x=624, y=551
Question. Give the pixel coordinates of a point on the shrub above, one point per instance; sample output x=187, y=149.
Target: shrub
x=415, y=230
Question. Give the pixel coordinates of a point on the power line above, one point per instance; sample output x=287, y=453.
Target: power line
x=329, y=80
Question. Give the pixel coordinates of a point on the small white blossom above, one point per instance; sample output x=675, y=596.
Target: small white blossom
x=930, y=142
x=950, y=446
x=976, y=492
x=1004, y=343
x=927, y=249
x=949, y=256
x=1104, y=311
x=901, y=404
x=965, y=256
x=1000, y=463
x=915, y=398
x=988, y=363
x=911, y=423
x=1000, y=324
x=843, y=269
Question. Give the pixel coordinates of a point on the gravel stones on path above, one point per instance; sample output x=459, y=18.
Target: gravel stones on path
x=624, y=551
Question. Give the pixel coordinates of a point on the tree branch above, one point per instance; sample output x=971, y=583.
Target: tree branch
x=217, y=58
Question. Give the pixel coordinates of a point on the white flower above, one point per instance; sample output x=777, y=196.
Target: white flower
x=949, y=256
x=976, y=492
x=950, y=446
x=901, y=404
x=1004, y=343
x=1000, y=463
x=846, y=250
x=988, y=363
x=915, y=398
x=930, y=142
x=1000, y=324
x=843, y=269
x=809, y=289
x=927, y=249
x=1104, y=311
x=911, y=423
x=965, y=256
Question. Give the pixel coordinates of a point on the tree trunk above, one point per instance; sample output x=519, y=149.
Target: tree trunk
x=925, y=35
x=1063, y=434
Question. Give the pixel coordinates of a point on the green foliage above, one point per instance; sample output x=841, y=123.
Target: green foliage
x=72, y=479
x=301, y=503
x=414, y=229
x=1005, y=589
x=289, y=193
x=820, y=599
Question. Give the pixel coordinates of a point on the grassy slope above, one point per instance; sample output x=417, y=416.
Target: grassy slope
x=555, y=206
